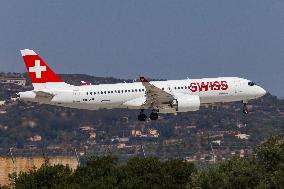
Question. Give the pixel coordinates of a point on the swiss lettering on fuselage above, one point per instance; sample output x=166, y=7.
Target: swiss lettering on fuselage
x=209, y=85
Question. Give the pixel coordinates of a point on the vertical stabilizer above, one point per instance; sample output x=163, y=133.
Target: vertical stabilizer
x=40, y=73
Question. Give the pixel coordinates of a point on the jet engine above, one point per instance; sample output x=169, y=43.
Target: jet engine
x=27, y=96
x=186, y=103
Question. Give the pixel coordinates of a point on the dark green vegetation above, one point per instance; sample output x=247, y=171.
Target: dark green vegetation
x=264, y=170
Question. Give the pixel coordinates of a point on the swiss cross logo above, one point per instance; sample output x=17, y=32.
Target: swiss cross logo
x=37, y=69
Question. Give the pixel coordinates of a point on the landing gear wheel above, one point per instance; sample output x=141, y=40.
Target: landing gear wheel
x=245, y=109
x=142, y=116
x=154, y=115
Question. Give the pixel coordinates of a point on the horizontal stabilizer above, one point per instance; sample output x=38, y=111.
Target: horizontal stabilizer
x=42, y=94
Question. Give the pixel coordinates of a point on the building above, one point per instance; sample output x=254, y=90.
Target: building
x=18, y=81
x=242, y=136
x=35, y=138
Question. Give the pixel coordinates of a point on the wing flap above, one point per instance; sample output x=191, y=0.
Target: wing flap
x=155, y=96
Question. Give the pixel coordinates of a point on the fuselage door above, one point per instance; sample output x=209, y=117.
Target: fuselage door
x=76, y=95
x=237, y=86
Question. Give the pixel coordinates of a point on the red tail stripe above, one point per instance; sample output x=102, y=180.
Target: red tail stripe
x=39, y=71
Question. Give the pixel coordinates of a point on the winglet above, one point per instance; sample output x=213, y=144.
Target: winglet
x=143, y=79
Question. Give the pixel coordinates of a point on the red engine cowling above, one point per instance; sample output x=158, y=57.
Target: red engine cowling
x=186, y=103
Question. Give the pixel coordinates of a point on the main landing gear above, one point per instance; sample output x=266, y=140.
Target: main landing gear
x=153, y=116
x=142, y=116
x=245, y=108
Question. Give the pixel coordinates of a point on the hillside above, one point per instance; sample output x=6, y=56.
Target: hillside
x=27, y=126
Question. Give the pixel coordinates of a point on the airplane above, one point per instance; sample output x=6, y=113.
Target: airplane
x=169, y=96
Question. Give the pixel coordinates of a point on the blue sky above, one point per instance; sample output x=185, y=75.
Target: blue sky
x=160, y=39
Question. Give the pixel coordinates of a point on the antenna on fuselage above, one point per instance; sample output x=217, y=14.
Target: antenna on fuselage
x=187, y=77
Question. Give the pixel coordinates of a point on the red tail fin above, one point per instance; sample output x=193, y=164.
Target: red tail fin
x=39, y=71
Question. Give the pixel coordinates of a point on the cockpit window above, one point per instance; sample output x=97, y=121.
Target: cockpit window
x=251, y=83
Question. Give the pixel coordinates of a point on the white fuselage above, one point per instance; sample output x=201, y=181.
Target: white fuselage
x=108, y=96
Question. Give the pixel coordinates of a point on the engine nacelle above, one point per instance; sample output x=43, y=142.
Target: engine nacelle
x=186, y=103
x=27, y=96
x=135, y=103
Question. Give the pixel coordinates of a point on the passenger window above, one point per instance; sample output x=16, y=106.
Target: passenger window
x=115, y=91
x=163, y=88
x=178, y=87
x=91, y=93
x=181, y=87
x=118, y=91
x=132, y=90
x=87, y=93
x=185, y=87
x=135, y=90
x=139, y=90
x=102, y=92
x=129, y=91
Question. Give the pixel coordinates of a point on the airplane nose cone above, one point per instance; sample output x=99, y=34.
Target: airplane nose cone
x=261, y=92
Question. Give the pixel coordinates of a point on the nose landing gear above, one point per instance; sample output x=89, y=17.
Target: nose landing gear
x=245, y=108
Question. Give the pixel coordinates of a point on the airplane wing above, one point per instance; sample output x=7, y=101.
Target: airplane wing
x=155, y=97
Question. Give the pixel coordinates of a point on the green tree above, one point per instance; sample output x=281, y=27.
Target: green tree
x=266, y=170
x=270, y=154
x=47, y=176
x=270, y=157
x=176, y=173
x=99, y=172
x=233, y=173
x=142, y=173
